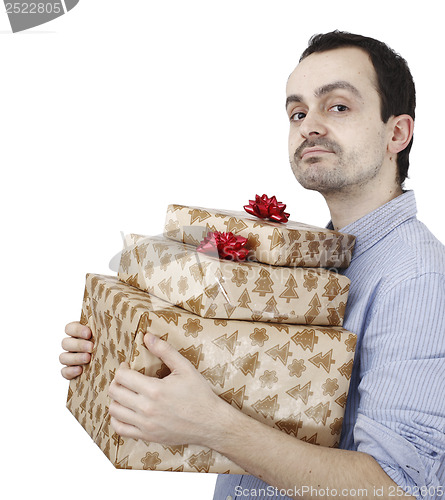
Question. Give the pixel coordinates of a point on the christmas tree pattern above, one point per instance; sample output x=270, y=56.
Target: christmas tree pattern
x=159, y=248
x=211, y=311
x=333, y=317
x=121, y=464
x=311, y=440
x=168, y=315
x=198, y=215
x=166, y=287
x=302, y=393
x=281, y=353
x=182, y=259
x=306, y=339
x=341, y=400
x=290, y=289
x=202, y=461
x=195, y=304
x=216, y=375
x=173, y=449
x=319, y=413
x=197, y=271
x=229, y=309
x=324, y=360
x=228, y=343
x=248, y=364
x=271, y=309
x=267, y=406
x=235, y=225
x=331, y=333
x=290, y=425
x=212, y=291
x=263, y=283
x=332, y=287
x=244, y=300
x=193, y=354
x=346, y=369
x=314, y=310
x=236, y=397
x=276, y=239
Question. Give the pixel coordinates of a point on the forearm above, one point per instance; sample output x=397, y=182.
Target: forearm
x=288, y=463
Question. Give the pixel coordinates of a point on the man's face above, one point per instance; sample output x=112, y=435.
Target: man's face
x=337, y=140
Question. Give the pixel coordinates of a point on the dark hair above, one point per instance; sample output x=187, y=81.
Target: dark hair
x=395, y=82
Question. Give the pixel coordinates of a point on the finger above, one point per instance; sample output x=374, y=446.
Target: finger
x=166, y=352
x=125, y=430
x=74, y=358
x=77, y=345
x=76, y=329
x=124, y=396
x=70, y=372
x=122, y=413
x=133, y=380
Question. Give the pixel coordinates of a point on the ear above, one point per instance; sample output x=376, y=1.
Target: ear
x=402, y=128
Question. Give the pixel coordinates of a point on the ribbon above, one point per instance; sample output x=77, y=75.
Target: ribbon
x=267, y=208
x=226, y=245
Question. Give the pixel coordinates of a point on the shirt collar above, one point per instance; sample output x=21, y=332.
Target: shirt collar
x=374, y=226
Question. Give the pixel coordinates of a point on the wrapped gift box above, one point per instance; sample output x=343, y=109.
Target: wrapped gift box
x=222, y=289
x=294, y=378
x=291, y=244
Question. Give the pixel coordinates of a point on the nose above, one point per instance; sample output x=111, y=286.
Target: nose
x=312, y=125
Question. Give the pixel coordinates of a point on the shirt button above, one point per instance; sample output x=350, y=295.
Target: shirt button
x=229, y=497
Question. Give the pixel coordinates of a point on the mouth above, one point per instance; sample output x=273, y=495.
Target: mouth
x=311, y=152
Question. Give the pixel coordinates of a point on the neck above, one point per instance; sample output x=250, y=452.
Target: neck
x=347, y=207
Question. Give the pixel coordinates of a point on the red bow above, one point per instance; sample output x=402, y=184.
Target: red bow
x=267, y=208
x=225, y=245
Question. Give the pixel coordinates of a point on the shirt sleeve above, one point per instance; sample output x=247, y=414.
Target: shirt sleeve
x=401, y=414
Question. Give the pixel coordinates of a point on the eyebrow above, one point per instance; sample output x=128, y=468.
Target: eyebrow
x=326, y=89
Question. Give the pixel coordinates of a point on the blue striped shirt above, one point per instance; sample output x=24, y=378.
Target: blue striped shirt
x=396, y=306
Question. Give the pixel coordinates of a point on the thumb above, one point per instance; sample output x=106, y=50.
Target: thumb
x=166, y=352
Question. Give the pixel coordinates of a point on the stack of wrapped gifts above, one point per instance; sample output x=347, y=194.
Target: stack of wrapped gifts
x=255, y=305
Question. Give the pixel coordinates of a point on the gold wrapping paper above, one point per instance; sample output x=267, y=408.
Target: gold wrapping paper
x=294, y=378
x=222, y=289
x=291, y=244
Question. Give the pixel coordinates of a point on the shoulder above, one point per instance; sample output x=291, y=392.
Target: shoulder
x=409, y=252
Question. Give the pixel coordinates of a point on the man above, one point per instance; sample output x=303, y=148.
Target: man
x=350, y=103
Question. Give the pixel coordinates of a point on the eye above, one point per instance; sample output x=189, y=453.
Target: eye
x=340, y=108
x=298, y=116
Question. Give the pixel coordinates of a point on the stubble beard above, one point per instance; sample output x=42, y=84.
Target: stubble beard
x=333, y=175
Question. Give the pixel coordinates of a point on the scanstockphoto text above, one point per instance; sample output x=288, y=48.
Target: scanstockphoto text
x=33, y=8
x=303, y=491
x=115, y=260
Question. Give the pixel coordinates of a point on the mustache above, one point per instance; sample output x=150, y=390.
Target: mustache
x=324, y=143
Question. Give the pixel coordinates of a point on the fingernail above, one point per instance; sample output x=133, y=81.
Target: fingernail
x=150, y=338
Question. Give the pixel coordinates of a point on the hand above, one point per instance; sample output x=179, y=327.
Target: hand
x=78, y=347
x=178, y=409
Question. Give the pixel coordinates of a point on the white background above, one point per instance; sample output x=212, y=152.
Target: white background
x=110, y=113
